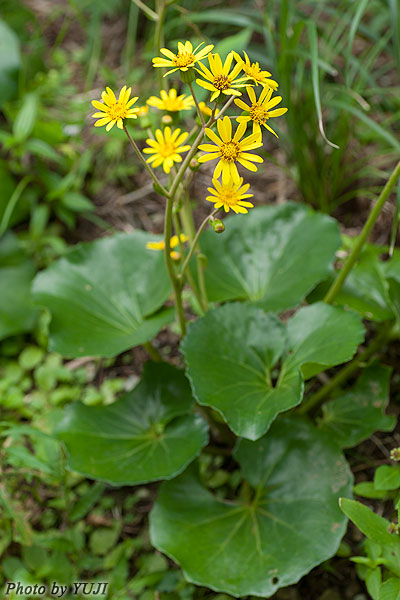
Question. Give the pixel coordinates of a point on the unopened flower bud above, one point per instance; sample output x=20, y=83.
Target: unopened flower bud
x=194, y=164
x=188, y=76
x=166, y=119
x=395, y=454
x=393, y=528
x=218, y=226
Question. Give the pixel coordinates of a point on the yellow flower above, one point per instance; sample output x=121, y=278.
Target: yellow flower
x=218, y=77
x=230, y=150
x=142, y=111
x=253, y=71
x=113, y=110
x=171, y=101
x=174, y=241
x=260, y=110
x=166, y=148
x=230, y=195
x=184, y=59
x=206, y=110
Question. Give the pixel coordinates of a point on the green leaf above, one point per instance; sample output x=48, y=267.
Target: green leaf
x=387, y=477
x=26, y=117
x=371, y=524
x=86, y=502
x=355, y=415
x=17, y=312
x=291, y=524
x=390, y=589
x=10, y=61
x=77, y=202
x=272, y=256
x=232, y=354
x=148, y=434
x=104, y=295
x=365, y=289
x=366, y=489
x=373, y=582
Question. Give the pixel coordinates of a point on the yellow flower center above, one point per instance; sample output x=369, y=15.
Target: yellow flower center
x=258, y=113
x=228, y=196
x=222, y=82
x=117, y=111
x=253, y=71
x=184, y=59
x=166, y=149
x=230, y=151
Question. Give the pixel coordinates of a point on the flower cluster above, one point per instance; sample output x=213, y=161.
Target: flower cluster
x=226, y=82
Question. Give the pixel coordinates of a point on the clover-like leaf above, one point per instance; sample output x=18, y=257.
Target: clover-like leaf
x=353, y=416
x=148, y=434
x=291, y=523
x=232, y=356
x=272, y=256
x=104, y=296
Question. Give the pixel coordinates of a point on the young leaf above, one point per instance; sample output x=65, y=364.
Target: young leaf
x=390, y=589
x=148, y=434
x=104, y=295
x=254, y=547
x=387, y=478
x=371, y=524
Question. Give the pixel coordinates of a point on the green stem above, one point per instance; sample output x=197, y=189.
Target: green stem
x=355, y=253
x=196, y=239
x=199, y=113
x=170, y=267
x=319, y=397
x=144, y=163
x=148, y=11
x=189, y=275
x=152, y=351
x=158, y=37
x=15, y=196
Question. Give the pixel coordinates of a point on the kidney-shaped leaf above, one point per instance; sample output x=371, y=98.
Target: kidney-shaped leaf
x=232, y=353
x=148, y=434
x=355, y=415
x=291, y=523
x=272, y=256
x=103, y=296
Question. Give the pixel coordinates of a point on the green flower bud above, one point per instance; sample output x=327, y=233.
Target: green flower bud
x=395, y=454
x=194, y=164
x=188, y=76
x=218, y=225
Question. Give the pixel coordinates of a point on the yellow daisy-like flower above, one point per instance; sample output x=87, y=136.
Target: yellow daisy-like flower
x=260, y=110
x=231, y=195
x=171, y=101
x=206, y=110
x=184, y=59
x=142, y=111
x=253, y=71
x=230, y=150
x=174, y=241
x=113, y=110
x=166, y=148
x=218, y=77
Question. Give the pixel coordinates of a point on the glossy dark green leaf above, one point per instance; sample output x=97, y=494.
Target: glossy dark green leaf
x=17, y=312
x=232, y=356
x=148, y=434
x=291, y=522
x=353, y=416
x=104, y=296
x=273, y=256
